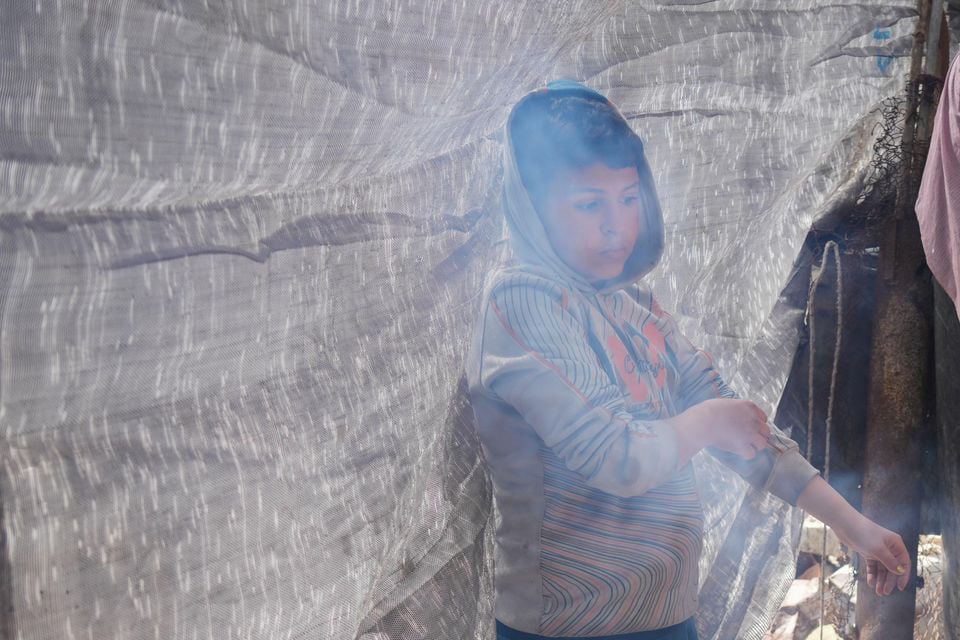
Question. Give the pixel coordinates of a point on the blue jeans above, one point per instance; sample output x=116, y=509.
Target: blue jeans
x=686, y=630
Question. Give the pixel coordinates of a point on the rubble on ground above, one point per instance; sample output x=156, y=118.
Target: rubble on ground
x=799, y=617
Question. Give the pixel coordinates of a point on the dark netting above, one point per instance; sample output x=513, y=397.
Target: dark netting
x=241, y=246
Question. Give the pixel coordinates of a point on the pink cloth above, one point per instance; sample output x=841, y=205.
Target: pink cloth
x=938, y=203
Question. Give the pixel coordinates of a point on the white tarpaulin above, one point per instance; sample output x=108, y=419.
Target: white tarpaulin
x=241, y=246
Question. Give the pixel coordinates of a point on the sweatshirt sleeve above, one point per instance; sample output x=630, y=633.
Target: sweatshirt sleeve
x=537, y=358
x=779, y=468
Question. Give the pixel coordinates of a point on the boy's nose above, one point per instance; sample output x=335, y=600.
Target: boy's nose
x=617, y=220
x=609, y=230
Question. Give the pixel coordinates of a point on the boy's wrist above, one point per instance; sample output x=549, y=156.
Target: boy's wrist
x=849, y=526
x=692, y=434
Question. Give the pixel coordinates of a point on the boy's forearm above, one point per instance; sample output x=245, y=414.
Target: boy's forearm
x=823, y=502
x=888, y=560
x=692, y=436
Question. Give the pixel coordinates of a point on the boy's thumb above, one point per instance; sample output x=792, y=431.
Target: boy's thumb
x=893, y=564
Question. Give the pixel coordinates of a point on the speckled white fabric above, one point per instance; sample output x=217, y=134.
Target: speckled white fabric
x=241, y=244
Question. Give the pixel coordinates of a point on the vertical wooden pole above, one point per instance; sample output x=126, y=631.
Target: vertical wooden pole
x=899, y=367
x=947, y=341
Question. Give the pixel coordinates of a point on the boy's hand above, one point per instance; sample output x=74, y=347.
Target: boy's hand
x=734, y=425
x=888, y=563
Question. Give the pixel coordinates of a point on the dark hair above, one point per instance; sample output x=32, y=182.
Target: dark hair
x=553, y=131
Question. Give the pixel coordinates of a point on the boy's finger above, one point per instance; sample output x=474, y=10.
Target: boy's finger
x=889, y=582
x=899, y=551
x=760, y=413
x=903, y=580
x=882, y=581
x=765, y=430
x=878, y=580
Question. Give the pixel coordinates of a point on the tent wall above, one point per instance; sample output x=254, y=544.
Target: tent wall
x=241, y=246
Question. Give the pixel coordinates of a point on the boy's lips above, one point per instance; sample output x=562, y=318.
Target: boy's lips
x=615, y=253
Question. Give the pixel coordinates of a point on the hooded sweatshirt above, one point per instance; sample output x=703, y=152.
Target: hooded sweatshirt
x=598, y=529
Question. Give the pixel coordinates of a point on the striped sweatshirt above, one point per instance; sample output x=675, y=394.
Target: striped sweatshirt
x=573, y=385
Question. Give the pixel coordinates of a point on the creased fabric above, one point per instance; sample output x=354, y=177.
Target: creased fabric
x=241, y=247
x=938, y=201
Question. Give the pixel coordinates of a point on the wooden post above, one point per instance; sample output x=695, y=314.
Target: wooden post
x=899, y=368
x=947, y=342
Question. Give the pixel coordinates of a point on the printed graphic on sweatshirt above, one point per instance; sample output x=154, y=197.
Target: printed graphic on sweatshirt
x=644, y=376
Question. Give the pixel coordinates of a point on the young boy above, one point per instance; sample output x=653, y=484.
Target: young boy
x=590, y=403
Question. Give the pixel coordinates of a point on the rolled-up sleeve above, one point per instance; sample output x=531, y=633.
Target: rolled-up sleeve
x=779, y=468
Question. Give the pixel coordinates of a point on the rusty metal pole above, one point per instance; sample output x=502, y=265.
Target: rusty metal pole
x=899, y=374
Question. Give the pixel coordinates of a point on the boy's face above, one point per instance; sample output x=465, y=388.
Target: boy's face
x=593, y=218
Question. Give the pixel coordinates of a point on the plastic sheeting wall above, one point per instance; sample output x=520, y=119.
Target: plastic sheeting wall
x=241, y=244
